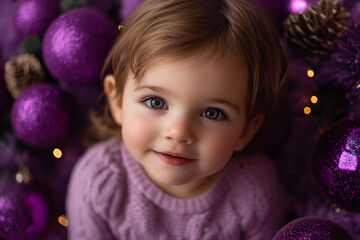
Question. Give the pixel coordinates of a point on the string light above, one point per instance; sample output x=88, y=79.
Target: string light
x=63, y=220
x=23, y=175
x=307, y=110
x=358, y=86
x=314, y=99
x=310, y=73
x=57, y=153
x=120, y=27
x=18, y=177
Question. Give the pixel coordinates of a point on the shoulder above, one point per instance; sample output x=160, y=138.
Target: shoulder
x=96, y=180
x=102, y=155
x=257, y=171
x=258, y=189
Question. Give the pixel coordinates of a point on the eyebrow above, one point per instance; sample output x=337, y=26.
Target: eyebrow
x=165, y=91
x=153, y=88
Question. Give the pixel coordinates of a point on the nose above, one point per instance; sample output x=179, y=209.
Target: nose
x=180, y=130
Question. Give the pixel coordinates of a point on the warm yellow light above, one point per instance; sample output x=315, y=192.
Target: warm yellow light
x=57, y=153
x=314, y=99
x=307, y=110
x=120, y=27
x=358, y=86
x=310, y=73
x=63, y=220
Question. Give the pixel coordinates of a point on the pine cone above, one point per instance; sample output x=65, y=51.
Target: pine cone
x=22, y=72
x=318, y=29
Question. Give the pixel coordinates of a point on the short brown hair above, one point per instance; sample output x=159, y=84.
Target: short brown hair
x=234, y=29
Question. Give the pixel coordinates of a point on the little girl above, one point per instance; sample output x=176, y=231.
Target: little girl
x=190, y=83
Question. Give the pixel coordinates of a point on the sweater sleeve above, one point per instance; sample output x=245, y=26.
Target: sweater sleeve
x=93, y=189
x=266, y=202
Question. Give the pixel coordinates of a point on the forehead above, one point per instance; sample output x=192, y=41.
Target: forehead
x=207, y=62
x=200, y=76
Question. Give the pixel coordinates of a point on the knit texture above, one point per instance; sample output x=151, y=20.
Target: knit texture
x=111, y=197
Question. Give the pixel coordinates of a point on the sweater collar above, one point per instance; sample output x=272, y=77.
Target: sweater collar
x=141, y=183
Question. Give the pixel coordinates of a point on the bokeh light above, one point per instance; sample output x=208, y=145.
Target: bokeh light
x=63, y=220
x=297, y=6
x=314, y=99
x=310, y=73
x=57, y=153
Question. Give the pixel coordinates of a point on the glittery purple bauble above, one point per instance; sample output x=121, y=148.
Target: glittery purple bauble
x=40, y=116
x=76, y=44
x=337, y=164
x=22, y=215
x=32, y=17
x=312, y=228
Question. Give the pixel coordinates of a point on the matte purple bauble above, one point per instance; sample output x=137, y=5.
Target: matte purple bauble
x=127, y=7
x=312, y=228
x=32, y=17
x=337, y=164
x=41, y=116
x=76, y=44
x=23, y=216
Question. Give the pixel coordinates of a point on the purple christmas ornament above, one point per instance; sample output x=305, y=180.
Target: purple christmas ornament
x=32, y=17
x=76, y=44
x=40, y=116
x=39, y=211
x=14, y=218
x=337, y=164
x=23, y=215
x=312, y=228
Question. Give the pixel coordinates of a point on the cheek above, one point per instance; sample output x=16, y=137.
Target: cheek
x=137, y=130
x=219, y=146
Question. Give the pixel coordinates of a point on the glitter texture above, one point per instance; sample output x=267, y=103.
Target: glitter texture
x=23, y=215
x=76, y=44
x=40, y=116
x=337, y=164
x=312, y=228
x=14, y=219
x=32, y=17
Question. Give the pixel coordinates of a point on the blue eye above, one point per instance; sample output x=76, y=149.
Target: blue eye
x=214, y=114
x=155, y=102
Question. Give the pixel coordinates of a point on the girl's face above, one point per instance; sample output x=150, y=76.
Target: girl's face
x=183, y=120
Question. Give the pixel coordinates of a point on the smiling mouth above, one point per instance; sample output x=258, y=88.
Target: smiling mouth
x=174, y=159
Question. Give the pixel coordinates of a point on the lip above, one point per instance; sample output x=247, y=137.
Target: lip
x=174, y=159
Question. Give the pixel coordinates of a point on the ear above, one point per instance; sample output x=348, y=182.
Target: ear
x=113, y=97
x=250, y=131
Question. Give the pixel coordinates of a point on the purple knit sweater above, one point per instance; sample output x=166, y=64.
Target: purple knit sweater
x=110, y=197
